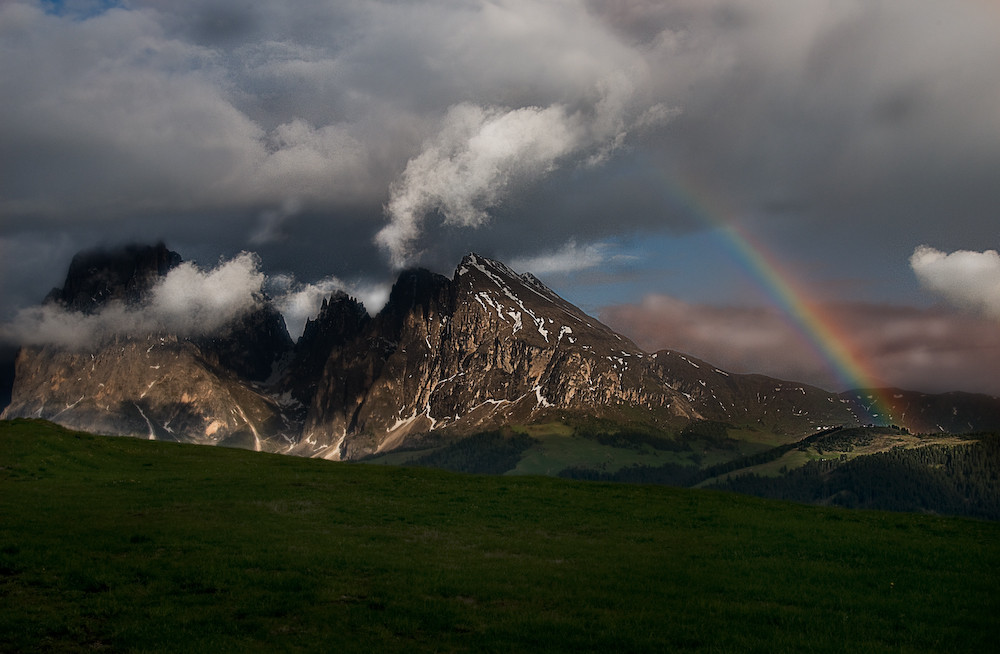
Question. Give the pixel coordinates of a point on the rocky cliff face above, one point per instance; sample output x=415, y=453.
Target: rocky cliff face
x=485, y=348
x=126, y=274
x=340, y=321
x=252, y=346
x=490, y=347
x=159, y=388
x=156, y=385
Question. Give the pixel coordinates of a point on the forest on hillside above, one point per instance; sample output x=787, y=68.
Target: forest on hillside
x=961, y=480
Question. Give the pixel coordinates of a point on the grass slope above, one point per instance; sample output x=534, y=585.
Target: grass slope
x=116, y=544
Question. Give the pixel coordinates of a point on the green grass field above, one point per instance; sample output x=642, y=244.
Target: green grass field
x=116, y=544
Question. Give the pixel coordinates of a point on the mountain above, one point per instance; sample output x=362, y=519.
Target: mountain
x=485, y=348
x=490, y=347
x=97, y=277
x=340, y=321
x=155, y=385
x=8, y=354
x=446, y=358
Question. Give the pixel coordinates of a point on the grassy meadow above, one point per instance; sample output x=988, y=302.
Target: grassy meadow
x=123, y=545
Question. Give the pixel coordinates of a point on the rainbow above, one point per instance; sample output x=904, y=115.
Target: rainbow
x=819, y=328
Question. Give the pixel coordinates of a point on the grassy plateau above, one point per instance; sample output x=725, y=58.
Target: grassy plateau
x=123, y=545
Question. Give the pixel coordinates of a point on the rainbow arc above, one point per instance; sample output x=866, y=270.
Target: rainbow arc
x=817, y=326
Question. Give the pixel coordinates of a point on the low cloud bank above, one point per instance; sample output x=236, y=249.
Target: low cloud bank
x=571, y=257
x=188, y=302
x=967, y=279
x=928, y=350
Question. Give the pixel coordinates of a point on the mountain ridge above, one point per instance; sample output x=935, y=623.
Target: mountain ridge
x=485, y=348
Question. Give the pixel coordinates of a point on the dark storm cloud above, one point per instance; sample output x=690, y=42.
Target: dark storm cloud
x=125, y=113
x=220, y=104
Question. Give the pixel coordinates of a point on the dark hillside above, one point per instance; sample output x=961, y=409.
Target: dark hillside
x=116, y=544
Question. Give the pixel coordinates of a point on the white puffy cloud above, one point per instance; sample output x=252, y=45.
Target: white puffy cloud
x=482, y=156
x=968, y=279
x=299, y=302
x=472, y=163
x=188, y=302
x=193, y=301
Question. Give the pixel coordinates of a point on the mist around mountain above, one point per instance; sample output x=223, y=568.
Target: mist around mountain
x=138, y=342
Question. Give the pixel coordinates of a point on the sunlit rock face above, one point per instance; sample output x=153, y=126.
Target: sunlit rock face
x=203, y=389
x=158, y=388
x=490, y=347
x=484, y=348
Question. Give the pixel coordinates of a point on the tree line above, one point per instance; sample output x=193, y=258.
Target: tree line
x=959, y=480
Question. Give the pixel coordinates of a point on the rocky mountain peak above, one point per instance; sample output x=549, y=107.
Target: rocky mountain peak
x=523, y=300
x=485, y=274
x=340, y=319
x=125, y=274
x=536, y=284
x=415, y=288
x=203, y=388
x=486, y=265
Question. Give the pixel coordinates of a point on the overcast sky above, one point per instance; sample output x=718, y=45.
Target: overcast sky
x=607, y=146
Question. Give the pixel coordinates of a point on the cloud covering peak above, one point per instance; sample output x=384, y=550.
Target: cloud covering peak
x=187, y=302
